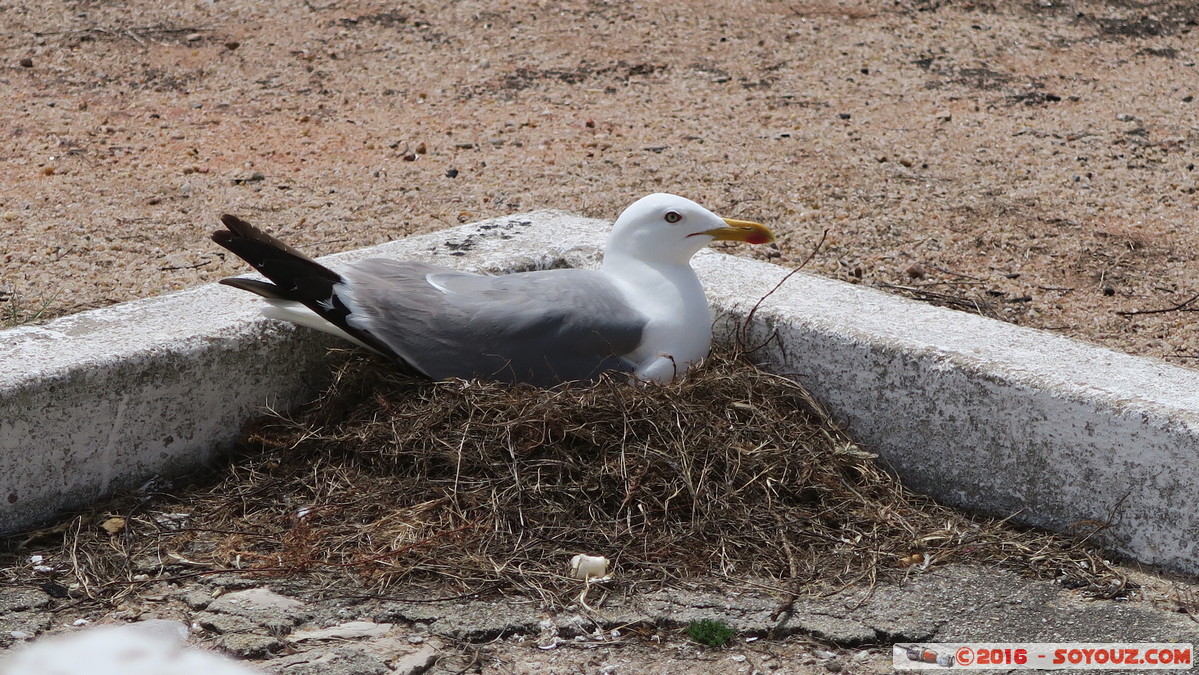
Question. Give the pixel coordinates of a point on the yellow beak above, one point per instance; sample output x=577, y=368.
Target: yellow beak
x=741, y=230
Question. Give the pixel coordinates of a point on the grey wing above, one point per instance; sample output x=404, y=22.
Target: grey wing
x=537, y=327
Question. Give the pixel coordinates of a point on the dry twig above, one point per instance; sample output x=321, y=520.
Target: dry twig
x=1180, y=307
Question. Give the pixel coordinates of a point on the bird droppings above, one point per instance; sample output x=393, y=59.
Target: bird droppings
x=464, y=245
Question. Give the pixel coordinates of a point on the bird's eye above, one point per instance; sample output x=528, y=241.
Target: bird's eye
x=673, y=217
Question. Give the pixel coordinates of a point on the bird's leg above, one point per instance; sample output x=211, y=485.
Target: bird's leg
x=661, y=369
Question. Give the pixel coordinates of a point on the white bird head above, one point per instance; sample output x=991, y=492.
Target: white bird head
x=670, y=229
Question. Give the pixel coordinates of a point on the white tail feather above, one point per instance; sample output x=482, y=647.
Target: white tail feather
x=297, y=313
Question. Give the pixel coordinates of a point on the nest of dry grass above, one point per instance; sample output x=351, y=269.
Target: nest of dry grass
x=388, y=481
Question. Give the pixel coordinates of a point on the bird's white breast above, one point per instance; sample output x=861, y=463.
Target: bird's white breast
x=678, y=333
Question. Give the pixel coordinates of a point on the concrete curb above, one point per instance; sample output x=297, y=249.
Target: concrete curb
x=987, y=415
x=975, y=412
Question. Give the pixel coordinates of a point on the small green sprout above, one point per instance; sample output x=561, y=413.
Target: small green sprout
x=710, y=632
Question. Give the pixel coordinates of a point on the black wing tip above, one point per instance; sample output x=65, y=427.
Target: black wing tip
x=233, y=282
x=231, y=221
x=261, y=288
x=240, y=227
x=237, y=229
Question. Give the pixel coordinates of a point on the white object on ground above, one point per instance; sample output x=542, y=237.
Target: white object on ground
x=588, y=567
x=119, y=650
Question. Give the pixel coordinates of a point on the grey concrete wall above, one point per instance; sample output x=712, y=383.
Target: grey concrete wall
x=109, y=398
x=986, y=415
x=975, y=412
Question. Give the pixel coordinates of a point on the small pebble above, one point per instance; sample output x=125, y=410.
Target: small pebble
x=916, y=271
x=19, y=635
x=113, y=525
x=194, y=37
x=252, y=178
x=1125, y=117
x=26, y=62
x=844, y=116
x=55, y=590
x=231, y=45
x=80, y=622
x=452, y=173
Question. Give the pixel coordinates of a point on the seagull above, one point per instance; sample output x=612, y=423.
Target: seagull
x=643, y=312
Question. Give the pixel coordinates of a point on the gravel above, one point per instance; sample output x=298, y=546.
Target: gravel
x=936, y=134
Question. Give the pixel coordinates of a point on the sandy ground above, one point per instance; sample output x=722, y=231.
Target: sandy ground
x=1030, y=160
